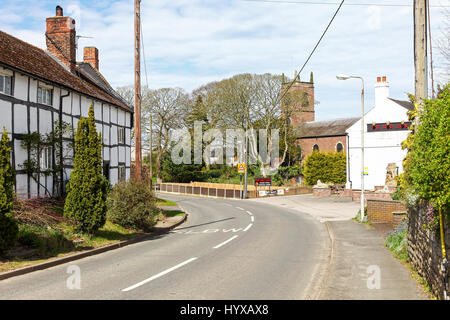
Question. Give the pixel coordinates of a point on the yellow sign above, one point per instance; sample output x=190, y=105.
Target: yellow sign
x=241, y=167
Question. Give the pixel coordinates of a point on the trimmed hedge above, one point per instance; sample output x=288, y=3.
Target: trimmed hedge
x=328, y=167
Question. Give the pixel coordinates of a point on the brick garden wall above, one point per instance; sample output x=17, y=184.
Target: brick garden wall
x=381, y=211
x=424, y=249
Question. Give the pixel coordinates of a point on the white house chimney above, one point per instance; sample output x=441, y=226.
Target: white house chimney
x=381, y=90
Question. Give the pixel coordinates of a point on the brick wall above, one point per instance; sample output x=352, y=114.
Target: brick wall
x=398, y=218
x=370, y=195
x=381, y=211
x=326, y=144
x=424, y=249
x=322, y=192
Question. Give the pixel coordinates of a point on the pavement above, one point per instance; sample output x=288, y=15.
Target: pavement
x=335, y=208
x=360, y=266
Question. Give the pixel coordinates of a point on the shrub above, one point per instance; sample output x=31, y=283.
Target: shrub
x=132, y=205
x=8, y=226
x=397, y=242
x=328, y=167
x=87, y=189
x=49, y=242
x=183, y=173
x=428, y=162
x=284, y=174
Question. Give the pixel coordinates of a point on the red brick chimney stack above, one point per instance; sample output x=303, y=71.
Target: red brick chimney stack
x=91, y=57
x=61, y=37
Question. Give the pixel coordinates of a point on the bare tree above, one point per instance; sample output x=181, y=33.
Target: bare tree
x=443, y=44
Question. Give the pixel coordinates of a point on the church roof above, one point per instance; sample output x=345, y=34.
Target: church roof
x=327, y=128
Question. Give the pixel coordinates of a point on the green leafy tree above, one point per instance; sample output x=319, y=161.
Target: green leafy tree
x=428, y=163
x=8, y=226
x=87, y=188
x=328, y=167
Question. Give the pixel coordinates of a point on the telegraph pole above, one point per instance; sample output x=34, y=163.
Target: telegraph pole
x=420, y=51
x=137, y=91
x=151, y=150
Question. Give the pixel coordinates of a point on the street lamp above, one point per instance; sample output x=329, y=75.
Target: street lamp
x=346, y=77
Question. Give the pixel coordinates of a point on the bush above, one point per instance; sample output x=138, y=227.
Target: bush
x=87, y=189
x=132, y=205
x=428, y=162
x=8, y=226
x=397, y=242
x=328, y=167
x=183, y=173
x=284, y=174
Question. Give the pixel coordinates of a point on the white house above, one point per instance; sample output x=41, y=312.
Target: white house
x=42, y=89
x=386, y=126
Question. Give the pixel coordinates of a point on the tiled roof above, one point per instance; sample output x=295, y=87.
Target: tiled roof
x=326, y=128
x=35, y=61
x=405, y=104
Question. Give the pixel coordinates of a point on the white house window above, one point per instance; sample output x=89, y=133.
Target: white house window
x=46, y=158
x=121, y=135
x=45, y=95
x=5, y=84
x=339, y=147
x=122, y=175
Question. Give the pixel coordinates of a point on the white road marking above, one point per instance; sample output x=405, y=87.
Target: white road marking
x=239, y=208
x=248, y=227
x=249, y=213
x=158, y=275
x=252, y=218
x=225, y=242
x=227, y=204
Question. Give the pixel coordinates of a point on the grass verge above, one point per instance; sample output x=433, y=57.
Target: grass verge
x=164, y=203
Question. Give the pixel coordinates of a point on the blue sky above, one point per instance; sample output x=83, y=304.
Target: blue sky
x=189, y=43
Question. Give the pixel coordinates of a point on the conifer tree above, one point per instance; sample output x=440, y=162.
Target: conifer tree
x=8, y=226
x=87, y=189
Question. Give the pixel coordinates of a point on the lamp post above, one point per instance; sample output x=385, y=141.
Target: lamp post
x=346, y=77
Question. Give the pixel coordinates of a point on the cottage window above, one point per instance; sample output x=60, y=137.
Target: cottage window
x=46, y=158
x=122, y=174
x=121, y=135
x=5, y=84
x=44, y=96
x=339, y=147
x=316, y=147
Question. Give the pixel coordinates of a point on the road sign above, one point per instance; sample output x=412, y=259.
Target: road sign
x=263, y=182
x=241, y=167
x=366, y=171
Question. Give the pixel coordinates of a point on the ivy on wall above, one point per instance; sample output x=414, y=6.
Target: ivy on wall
x=59, y=141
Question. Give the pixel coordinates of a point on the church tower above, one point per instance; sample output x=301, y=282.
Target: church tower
x=298, y=102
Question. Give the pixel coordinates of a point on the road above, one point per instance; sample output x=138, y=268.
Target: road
x=227, y=249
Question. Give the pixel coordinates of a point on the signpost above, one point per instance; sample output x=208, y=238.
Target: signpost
x=241, y=169
x=264, y=182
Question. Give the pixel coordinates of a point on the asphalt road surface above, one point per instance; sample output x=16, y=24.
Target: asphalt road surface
x=227, y=249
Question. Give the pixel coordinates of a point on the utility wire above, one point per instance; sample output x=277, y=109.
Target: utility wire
x=312, y=52
x=347, y=4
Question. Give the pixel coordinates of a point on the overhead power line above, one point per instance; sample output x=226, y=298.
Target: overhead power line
x=347, y=4
x=312, y=52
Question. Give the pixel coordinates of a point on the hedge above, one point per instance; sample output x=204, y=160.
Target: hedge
x=328, y=167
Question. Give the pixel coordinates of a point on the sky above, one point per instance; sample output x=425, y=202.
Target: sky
x=189, y=43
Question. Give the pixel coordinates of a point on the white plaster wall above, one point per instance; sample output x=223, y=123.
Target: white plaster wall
x=21, y=155
x=76, y=104
x=56, y=95
x=22, y=186
x=20, y=119
x=106, y=108
x=45, y=121
x=6, y=116
x=114, y=176
x=113, y=115
x=127, y=119
x=114, y=158
x=106, y=130
x=98, y=110
x=33, y=90
x=122, y=157
x=121, y=117
x=128, y=155
x=85, y=104
x=113, y=135
x=106, y=153
x=33, y=119
x=21, y=87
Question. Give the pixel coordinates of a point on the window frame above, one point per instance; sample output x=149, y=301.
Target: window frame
x=120, y=135
x=46, y=159
x=40, y=90
x=120, y=167
x=3, y=87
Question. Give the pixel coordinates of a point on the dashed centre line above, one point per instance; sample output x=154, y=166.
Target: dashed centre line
x=248, y=227
x=252, y=218
x=225, y=242
x=240, y=208
x=249, y=213
x=159, y=275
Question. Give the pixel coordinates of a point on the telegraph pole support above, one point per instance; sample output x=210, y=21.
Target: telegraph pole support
x=137, y=91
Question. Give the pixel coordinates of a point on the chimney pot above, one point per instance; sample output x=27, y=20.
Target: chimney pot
x=59, y=11
x=384, y=79
x=378, y=79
